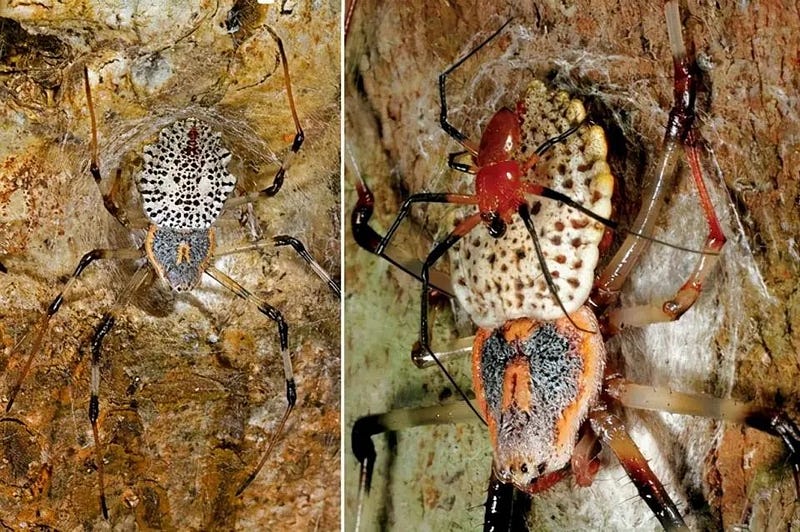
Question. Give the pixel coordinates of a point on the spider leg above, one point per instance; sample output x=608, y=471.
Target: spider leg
x=525, y=214
x=457, y=348
x=299, y=137
x=283, y=333
x=503, y=505
x=561, y=137
x=770, y=420
x=611, y=431
x=463, y=228
x=36, y=333
x=546, y=192
x=369, y=239
x=680, y=132
x=452, y=162
x=109, y=196
x=286, y=240
x=366, y=427
x=350, y=8
x=97, y=343
x=583, y=463
x=424, y=197
x=298, y=246
x=448, y=128
x=688, y=293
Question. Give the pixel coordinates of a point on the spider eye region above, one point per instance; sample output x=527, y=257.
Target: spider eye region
x=179, y=256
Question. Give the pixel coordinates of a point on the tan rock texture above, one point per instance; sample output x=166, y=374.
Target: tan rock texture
x=192, y=386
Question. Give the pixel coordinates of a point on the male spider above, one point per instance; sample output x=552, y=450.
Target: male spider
x=183, y=184
x=375, y=243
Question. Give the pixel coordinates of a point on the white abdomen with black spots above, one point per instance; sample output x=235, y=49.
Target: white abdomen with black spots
x=185, y=181
x=500, y=279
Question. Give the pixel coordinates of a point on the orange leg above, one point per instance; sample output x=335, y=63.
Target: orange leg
x=611, y=432
x=681, y=133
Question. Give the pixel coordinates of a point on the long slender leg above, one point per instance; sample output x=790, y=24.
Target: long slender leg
x=97, y=343
x=286, y=240
x=463, y=228
x=109, y=200
x=526, y=217
x=458, y=348
x=450, y=129
x=612, y=432
x=348, y=16
x=36, y=333
x=283, y=334
x=503, y=507
x=425, y=197
x=299, y=137
x=680, y=132
x=369, y=239
x=298, y=246
x=769, y=420
x=368, y=426
x=688, y=293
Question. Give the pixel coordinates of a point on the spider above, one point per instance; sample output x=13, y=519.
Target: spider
x=431, y=494
x=122, y=420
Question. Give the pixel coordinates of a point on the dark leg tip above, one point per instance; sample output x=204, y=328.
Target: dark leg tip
x=363, y=430
x=246, y=483
x=104, y=507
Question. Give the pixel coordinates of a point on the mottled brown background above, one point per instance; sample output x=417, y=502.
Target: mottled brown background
x=192, y=386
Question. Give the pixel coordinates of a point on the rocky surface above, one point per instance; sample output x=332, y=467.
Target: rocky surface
x=192, y=387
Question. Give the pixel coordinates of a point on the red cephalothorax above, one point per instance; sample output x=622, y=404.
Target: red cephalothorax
x=498, y=184
x=499, y=189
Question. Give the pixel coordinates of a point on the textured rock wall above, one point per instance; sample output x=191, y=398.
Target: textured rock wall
x=191, y=387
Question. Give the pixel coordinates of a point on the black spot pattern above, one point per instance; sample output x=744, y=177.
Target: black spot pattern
x=185, y=180
x=576, y=168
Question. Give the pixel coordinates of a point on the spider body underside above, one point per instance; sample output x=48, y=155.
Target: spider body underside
x=489, y=280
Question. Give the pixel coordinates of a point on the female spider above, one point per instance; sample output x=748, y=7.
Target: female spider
x=397, y=110
x=180, y=385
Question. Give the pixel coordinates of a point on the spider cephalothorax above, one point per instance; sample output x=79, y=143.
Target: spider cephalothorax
x=500, y=279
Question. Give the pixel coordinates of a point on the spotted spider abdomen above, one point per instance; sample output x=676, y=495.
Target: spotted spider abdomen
x=185, y=180
x=500, y=279
x=535, y=383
